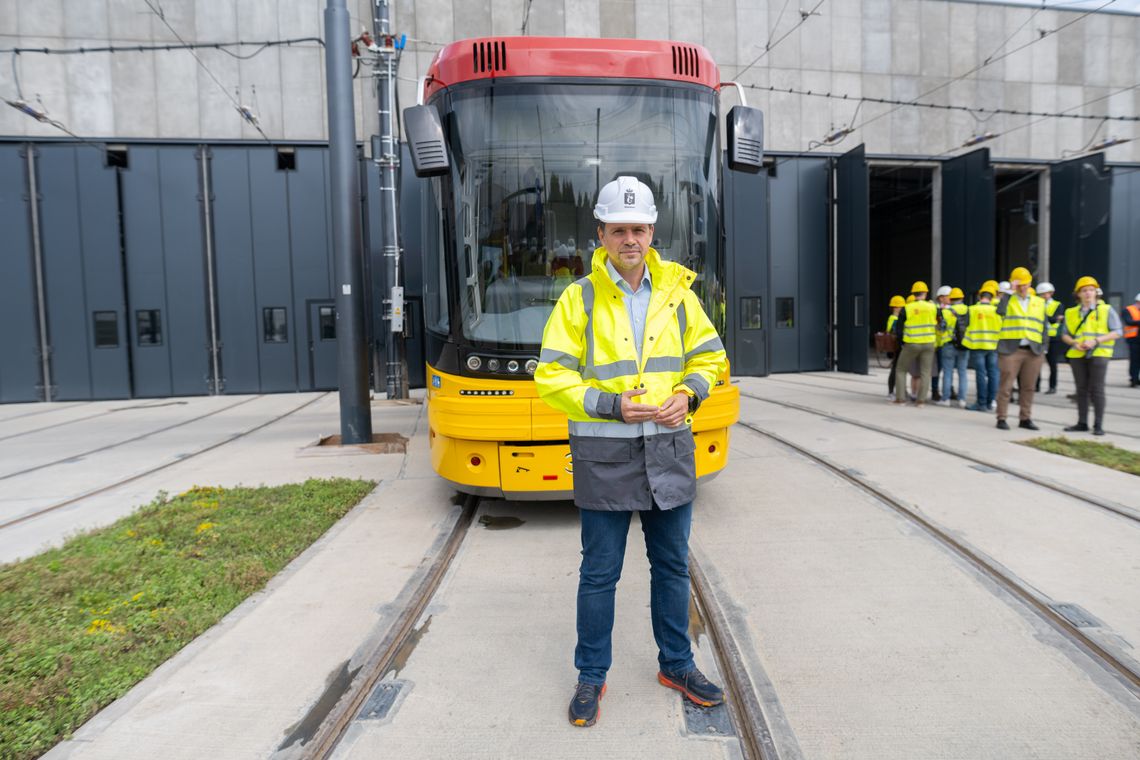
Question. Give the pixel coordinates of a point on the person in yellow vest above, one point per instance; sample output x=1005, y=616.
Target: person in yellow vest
x=917, y=329
x=941, y=301
x=1053, y=316
x=897, y=304
x=1021, y=349
x=952, y=355
x=1132, y=335
x=1090, y=330
x=628, y=354
x=981, y=339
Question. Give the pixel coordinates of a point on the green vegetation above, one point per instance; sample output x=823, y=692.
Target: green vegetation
x=1104, y=454
x=84, y=623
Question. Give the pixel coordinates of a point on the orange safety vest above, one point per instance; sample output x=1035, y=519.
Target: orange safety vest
x=1131, y=331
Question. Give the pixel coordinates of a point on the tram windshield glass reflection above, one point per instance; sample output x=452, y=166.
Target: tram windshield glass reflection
x=529, y=161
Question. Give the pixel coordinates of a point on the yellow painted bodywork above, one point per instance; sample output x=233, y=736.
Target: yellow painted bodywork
x=515, y=446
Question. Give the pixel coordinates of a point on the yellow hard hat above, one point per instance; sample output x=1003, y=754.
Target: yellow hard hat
x=1032, y=292
x=910, y=298
x=1020, y=274
x=956, y=293
x=897, y=301
x=919, y=287
x=1085, y=282
x=989, y=286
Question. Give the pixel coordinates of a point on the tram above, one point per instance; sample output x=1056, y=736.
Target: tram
x=514, y=137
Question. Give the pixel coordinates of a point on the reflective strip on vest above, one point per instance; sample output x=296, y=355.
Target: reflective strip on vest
x=1132, y=331
x=984, y=328
x=1095, y=326
x=921, y=324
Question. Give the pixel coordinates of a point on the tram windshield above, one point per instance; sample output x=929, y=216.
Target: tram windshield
x=529, y=161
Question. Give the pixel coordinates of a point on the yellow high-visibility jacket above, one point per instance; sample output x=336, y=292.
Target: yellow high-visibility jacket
x=1094, y=325
x=921, y=324
x=985, y=326
x=588, y=357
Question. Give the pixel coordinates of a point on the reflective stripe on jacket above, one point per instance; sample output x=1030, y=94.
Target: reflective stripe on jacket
x=588, y=359
x=1024, y=323
x=921, y=323
x=1094, y=326
x=985, y=325
x=1051, y=307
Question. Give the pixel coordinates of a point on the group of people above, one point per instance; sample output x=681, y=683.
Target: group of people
x=1006, y=337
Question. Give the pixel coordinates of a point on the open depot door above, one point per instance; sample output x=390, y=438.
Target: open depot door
x=853, y=266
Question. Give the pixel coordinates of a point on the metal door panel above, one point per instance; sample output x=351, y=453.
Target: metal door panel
x=1124, y=240
x=322, y=346
x=852, y=261
x=1080, y=207
x=747, y=251
x=20, y=373
x=82, y=259
x=814, y=244
x=783, y=268
x=310, y=243
x=968, y=220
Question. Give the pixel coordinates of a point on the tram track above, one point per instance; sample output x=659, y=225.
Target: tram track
x=1124, y=672
x=178, y=460
x=96, y=415
x=125, y=441
x=61, y=406
x=1116, y=508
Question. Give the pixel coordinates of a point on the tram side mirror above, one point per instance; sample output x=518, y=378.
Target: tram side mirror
x=425, y=140
x=745, y=139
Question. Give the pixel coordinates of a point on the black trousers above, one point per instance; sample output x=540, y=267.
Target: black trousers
x=1134, y=360
x=1089, y=375
x=1057, y=350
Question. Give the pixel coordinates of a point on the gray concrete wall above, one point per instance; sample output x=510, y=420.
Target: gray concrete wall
x=864, y=48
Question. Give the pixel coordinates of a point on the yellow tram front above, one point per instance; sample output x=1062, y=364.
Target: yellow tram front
x=510, y=225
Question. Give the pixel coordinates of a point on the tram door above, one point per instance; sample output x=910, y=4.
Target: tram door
x=1080, y=199
x=746, y=227
x=853, y=264
x=968, y=220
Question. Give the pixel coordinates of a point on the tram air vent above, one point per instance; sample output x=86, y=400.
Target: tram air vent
x=489, y=56
x=686, y=62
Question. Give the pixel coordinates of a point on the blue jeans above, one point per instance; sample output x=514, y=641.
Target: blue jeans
x=986, y=373
x=603, y=550
x=954, y=359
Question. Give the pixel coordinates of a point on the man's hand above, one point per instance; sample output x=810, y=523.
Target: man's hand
x=673, y=412
x=631, y=411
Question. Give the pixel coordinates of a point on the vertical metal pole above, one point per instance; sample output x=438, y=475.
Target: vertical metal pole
x=388, y=162
x=38, y=261
x=352, y=359
x=211, y=285
x=1044, y=225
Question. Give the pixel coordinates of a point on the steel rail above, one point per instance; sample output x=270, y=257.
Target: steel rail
x=1107, y=660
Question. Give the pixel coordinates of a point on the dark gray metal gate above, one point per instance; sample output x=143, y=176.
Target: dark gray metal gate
x=746, y=228
x=853, y=264
x=83, y=273
x=20, y=368
x=1081, y=201
x=968, y=203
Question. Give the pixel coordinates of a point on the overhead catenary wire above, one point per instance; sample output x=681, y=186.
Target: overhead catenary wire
x=261, y=46
x=770, y=46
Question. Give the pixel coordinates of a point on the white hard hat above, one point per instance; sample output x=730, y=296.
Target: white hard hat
x=1003, y=287
x=1138, y=296
x=1099, y=292
x=943, y=291
x=626, y=199
x=1046, y=287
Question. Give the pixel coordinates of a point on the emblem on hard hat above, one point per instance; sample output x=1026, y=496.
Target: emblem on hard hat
x=630, y=198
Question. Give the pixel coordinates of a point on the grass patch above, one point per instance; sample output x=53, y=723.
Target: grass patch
x=84, y=623
x=1104, y=454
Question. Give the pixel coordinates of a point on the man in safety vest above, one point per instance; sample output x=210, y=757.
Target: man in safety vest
x=629, y=354
x=1021, y=347
x=981, y=341
x=1090, y=330
x=952, y=355
x=1053, y=316
x=1132, y=335
x=897, y=304
x=917, y=330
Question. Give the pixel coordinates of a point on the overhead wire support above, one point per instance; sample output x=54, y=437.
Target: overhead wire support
x=770, y=46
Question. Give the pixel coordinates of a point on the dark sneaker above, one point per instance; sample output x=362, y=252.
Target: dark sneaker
x=1050, y=392
x=1080, y=427
x=1098, y=430
x=1028, y=425
x=584, y=709
x=1002, y=425
x=696, y=688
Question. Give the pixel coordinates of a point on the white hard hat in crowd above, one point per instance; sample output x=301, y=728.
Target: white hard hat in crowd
x=626, y=199
x=1003, y=287
x=1138, y=296
x=1045, y=287
x=1099, y=292
x=943, y=291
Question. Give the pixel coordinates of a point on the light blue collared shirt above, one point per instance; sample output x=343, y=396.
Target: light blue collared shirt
x=636, y=302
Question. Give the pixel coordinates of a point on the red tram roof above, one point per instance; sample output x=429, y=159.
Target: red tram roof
x=580, y=57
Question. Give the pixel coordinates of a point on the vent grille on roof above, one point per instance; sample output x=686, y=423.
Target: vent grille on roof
x=489, y=56
x=686, y=62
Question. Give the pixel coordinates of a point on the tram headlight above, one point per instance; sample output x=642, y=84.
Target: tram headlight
x=493, y=365
x=474, y=363
x=531, y=366
x=512, y=366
